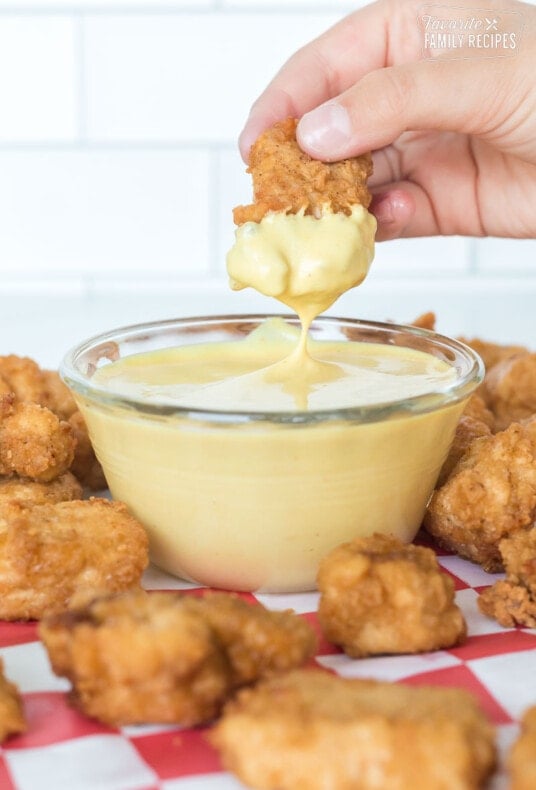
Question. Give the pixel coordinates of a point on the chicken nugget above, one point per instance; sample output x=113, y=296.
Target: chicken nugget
x=425, y=321
x=12, y=719
x=256, y=640
x=522, y=757
x=57, y=396
x=17, y=493
x=138, y=658
x=378, y=595
x=492, y=353
x=513, y=601
x=287, y=179
x=310, y=729
x=85, y=465
x=169, y=657
x=477, y=409
x=24, y=377
x=34, y=442
x=467, y=430
x=510, y=390
x=50, y=553
x=490, y=494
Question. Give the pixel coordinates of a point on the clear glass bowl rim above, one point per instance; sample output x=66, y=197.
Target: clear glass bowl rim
x=466, y=382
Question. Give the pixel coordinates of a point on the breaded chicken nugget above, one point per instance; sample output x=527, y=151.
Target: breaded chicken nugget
x=289, y=180
x=57, y=396
x=310, y=729
x=50, y=553
x=256, y=640
x=24, y=377
x=139, y=658
x=378, y=595
x=12, y=719
x=169, y=657
x=425, y=321
x=490, y=494
x=522, y=757
x=34, y=442
x=17, y=493
x=85, y=465
x=513, y=601
x=477, y=409
x=467, y=430
x=492, y=353
x=510, y=390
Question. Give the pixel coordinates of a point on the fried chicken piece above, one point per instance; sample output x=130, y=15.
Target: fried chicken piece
x=50, y=553
x=287, y=179
x=477, y=409
x=467, y=430
x=513, y=601
x=57, y=396
x=34, y=442
x=492, y=353
x=522, y=757
x=425, y=321
x=510, y=390
x=310, y=729
x=256, y=641
x=24, y=377
x=169, y=657
x=490, y=494
x=85, y=465
x=378, y=595
x=12, y=719
x=17, y=493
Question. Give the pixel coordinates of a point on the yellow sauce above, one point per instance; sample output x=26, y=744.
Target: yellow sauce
x=256, y=504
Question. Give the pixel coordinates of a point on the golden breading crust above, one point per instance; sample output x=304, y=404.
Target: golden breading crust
x=513, y=601
x=490, y=494
x=24, y=378
x=12, y=719
x=57, y=396
x=17, y=493
x=85, y=465
x=467, y=430
x=287, y=179
x=425, y=321
x=477, y=409
x=50, y=553
x=522, y=757
x=379, y=596
x=510, y=390
x=310, y=729
x=34, y=442
x=492, y=353
x=169, y=657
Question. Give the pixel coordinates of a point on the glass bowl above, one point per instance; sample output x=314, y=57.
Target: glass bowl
x=253, y=501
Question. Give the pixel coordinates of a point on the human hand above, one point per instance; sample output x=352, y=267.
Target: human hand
x=454, y=141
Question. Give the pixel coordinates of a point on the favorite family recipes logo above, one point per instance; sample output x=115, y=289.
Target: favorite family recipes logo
x=448, y=32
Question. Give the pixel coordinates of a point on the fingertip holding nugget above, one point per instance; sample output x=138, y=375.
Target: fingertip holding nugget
x=51, y=553
x=12, y=720
x=310, y=729
x=169, y=657
x=379, y=596
x=287, y=179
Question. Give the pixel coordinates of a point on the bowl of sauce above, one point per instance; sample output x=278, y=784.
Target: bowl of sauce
x=250, y=449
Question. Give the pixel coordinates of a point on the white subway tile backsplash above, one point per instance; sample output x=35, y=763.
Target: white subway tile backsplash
x=185, y=77
x=427, y=256
x=38, y=75
x=97, y=214
x=505, y=256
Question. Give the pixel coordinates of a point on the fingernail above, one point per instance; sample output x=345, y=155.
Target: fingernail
x=326, y=130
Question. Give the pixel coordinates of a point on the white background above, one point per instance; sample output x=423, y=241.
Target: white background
x=119, y=169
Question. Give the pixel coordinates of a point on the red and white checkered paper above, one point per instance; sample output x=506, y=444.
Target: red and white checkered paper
x=64, y=750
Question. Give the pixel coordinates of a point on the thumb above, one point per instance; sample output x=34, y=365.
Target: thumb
x=453, y=96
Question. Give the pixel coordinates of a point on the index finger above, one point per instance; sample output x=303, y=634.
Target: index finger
x=325, y=67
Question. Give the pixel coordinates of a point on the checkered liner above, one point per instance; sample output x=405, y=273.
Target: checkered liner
x=63, y=750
